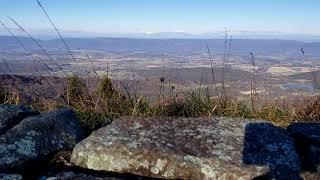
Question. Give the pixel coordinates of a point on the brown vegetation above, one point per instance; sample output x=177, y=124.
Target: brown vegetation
x=103, y=102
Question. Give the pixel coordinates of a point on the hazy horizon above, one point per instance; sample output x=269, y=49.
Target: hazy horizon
x=44, y=35
x=294, y=20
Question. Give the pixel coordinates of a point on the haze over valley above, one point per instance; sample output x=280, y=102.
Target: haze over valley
x=280, y=66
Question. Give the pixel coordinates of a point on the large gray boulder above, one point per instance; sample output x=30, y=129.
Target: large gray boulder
x=11, y=115
x=182, y=148
x=37, y=137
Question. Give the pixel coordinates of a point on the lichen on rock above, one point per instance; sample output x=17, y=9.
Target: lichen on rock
x=186, y=148
x=11, y=115
x=37, y=137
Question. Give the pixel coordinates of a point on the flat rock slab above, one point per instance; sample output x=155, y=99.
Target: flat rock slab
x=184, y=148
x=11, y=115
x=37, y=137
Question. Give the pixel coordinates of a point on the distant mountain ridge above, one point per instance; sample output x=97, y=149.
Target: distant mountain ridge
x=260, y=46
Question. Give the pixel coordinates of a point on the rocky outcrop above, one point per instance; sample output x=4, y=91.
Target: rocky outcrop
x=37, y=137
x=39, y=146
x=182, y=148
x=11, y=115
x=307, y=140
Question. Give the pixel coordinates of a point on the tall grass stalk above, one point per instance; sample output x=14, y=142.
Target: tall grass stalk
x=200, y=84
x=214, y=85
x=93, y=68
x=162, y=79
x=39, y=45
x=313, y=73
x=224, y=61
x=28, y=53
x=253, y=89
x=58, y=32
x=10, y=72
x=126, y=89
x=134, y=87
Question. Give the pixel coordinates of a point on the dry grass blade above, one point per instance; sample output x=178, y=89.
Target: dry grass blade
x=127, y=92
x=28, y=53
x=39, y=45
x=315, y=82
x=93, y=68
x=134, y=87
x=253, y=89
x=58, y=32
x=212, y=70
x=136, y=106
x=162, y=79
x=224, y=61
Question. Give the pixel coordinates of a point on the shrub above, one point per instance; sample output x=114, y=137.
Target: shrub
x=103, y=105
x=75, y=90
x=110, y=100
x=141, y=108
x=105, y=88
x=229, y=107
x=191, y=105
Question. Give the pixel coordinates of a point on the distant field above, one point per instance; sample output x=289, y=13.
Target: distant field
x=281, y=70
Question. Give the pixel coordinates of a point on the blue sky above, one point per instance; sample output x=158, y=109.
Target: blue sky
x=152, y=16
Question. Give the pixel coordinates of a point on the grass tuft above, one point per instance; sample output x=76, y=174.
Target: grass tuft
x=274, y=113
x=104, y=102
x=196, y=105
